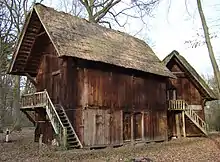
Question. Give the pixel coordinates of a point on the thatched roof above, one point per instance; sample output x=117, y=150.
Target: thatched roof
x=76, y=37
x=193, y=75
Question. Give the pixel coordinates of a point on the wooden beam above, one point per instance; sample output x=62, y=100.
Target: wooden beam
x=28, y=116
x=142, y=126
x=29, y=41
x=56, y=72
x=132, y=128
x=184, y=124
x=40, y=34
x=27, y=44
x=178, y=72
x=29, y=38
x=32, y=80
x=121, y=134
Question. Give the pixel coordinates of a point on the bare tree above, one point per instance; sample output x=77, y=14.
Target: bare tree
x=12, y=15
x=209, y=46
x=110, y=11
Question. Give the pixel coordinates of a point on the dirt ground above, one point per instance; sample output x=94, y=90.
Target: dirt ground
x=22, y=148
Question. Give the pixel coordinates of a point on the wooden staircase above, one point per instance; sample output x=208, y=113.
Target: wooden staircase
x=181, y=105
x=57, y=115
x=72, y=139
x=199, y=122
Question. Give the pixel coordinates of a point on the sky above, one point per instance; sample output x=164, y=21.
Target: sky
x=171, y=24
x=171, y=30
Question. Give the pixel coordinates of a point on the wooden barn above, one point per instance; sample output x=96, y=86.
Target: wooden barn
x=187, y=96
x=95, y=86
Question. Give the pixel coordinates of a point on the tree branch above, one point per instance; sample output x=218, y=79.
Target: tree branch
x=100, y=14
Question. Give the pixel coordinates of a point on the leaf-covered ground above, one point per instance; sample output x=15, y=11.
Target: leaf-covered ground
x=22, y=148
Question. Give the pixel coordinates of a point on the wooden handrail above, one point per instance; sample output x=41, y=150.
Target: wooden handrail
x=37, y=99
x=176, y=105
x=55, y=120
x=54, y=110
x=42, y=99
x=197, y=119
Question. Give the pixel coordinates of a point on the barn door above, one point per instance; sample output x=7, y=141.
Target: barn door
x=55, y=87
x=96, y=127
x=102, y=135
x=137, y=121
x=127, y=126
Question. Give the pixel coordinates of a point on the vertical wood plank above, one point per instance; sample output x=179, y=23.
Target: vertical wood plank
x=184, y=125
x=142, y=126
x=177, y=125
x=121, y=133
x=132, y=128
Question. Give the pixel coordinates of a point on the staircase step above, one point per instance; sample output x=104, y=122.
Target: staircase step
x=69, y=128
x=193, y=120
x=63, y=118
x=74, y=146
x=61, y=114
x=72, y=142
x=71, y=135
x=66, y=124
x=71, y=139
x=69, y=132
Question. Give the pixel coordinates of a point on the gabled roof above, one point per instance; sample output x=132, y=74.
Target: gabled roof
x=194, y=76
x=76, y=37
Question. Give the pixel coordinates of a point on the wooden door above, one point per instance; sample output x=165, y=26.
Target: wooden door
x=171, y=94
x=127, y=126
x=116, y=127
x=55, y=88
x=102, y=127
x=137, y=121
x=96, y=127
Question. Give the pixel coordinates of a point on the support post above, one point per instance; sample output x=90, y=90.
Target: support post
x=177, y=125
x=142, y=126
x=40, y=141
x=132, y=128
x=7, y=135
x=184, y=124
x=64, y=137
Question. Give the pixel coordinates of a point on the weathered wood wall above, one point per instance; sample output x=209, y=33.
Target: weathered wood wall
x=47, y=78
x=97, y=95
x=188, y=91
x=191, y=128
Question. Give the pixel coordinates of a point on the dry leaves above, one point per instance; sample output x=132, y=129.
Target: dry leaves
x=22, y=148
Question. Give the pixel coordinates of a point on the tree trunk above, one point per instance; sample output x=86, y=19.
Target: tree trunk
x=1, y=107
x=209, y=46
x=16, y=104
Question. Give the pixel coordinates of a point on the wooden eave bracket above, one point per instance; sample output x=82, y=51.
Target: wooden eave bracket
x=33, y=81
